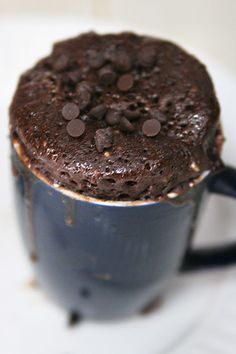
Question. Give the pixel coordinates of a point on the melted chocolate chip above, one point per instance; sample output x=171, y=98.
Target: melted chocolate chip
x=107, y=76
x=103, y=139
x=75, y=128
x=70, y=111
x=132, y=114
x=147, y=56
x=122, y=62
x=151, y=127
x=84, y=96
x=98, y=111
x=113, y=117
x=95, y=59
x=125, y=82
x=61, y=63
x=125, y=125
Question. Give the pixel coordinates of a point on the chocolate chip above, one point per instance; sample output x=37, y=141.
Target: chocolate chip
x=98, y=111
x=61, y=63
x=125, y=125
x=110, y=53
x=103, y=139
x=147, y=56
x=75, y=128
x=95, y=59
x=113, y=117
x=156, y=114
x=125, y=82
x=70, y=111
x=74, y=76
x=85, y=85
x=132, y=114
x=120, y=106
x=84, y=97
x=107, y=76
x=151, y=127
x=122, y=62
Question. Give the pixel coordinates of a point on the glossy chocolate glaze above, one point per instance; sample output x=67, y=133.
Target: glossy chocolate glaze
x=171, y=85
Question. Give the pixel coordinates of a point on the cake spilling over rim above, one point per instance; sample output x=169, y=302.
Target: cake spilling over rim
x=118, y=117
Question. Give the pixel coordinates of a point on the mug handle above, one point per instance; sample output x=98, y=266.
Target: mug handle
x=223, y=183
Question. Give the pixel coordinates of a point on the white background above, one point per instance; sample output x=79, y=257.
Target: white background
x=209, y=24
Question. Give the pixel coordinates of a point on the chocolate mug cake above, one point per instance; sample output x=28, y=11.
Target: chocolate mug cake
x=119, y=117
x=114, y=136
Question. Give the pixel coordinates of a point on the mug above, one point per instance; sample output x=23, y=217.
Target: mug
x=107, y=259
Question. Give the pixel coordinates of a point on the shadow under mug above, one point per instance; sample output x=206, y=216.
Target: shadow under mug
x=112, y=259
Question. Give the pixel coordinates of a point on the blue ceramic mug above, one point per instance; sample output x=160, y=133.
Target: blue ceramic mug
x=106, y=259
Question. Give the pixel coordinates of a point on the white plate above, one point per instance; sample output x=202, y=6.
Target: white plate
x=199, y=312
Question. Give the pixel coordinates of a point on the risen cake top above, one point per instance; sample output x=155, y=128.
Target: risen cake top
x=118, y=116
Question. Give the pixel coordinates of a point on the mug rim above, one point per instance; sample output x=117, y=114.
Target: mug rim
x=84, y=198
